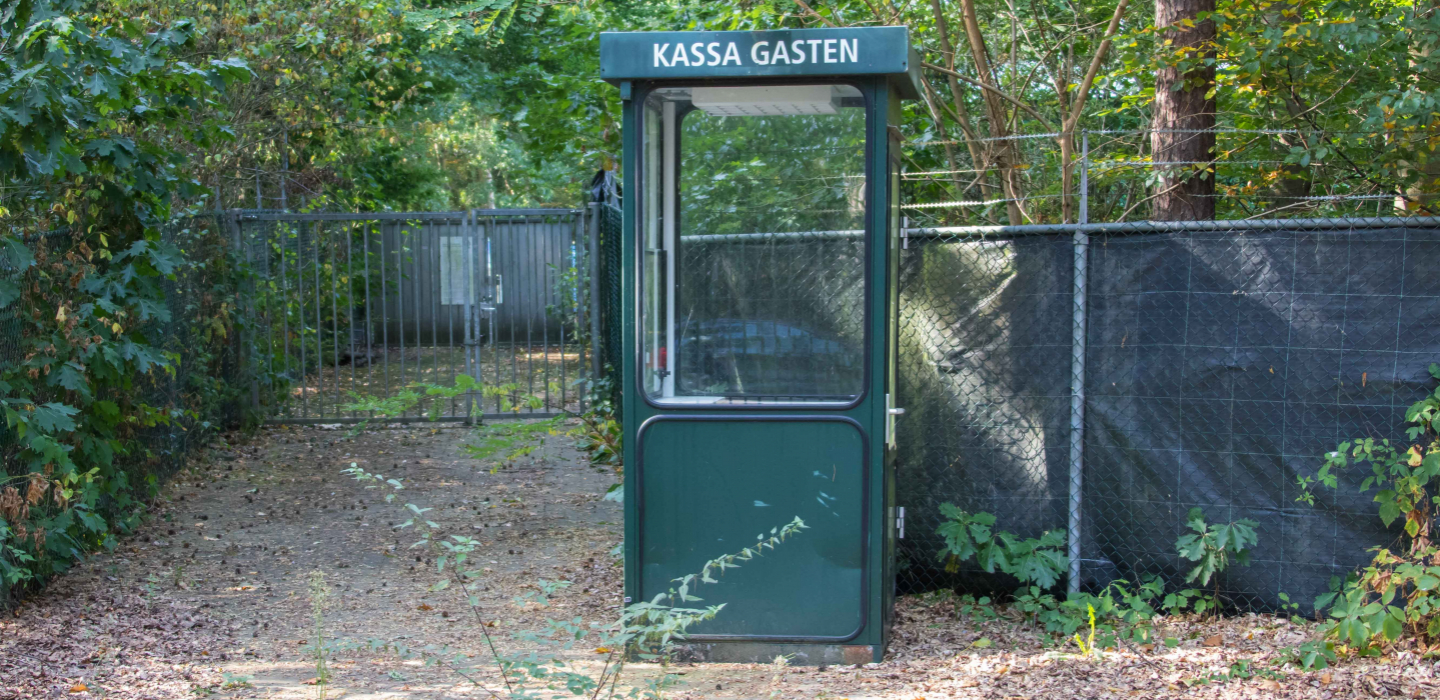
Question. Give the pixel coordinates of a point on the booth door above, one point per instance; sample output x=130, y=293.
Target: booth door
x=754, y=353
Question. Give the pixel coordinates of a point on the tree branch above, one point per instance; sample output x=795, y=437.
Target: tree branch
x=994, y=90
x=811, y=11
x=1083, y=91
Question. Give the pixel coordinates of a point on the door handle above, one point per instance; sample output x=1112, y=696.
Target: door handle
x=895, y=411
x=499, y=289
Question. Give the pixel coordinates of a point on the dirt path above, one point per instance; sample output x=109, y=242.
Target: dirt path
x=213, y=596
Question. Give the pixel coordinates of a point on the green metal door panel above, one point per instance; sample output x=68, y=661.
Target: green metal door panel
x=710, y=486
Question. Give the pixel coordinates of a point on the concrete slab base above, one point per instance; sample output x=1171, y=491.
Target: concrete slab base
x=765, y=652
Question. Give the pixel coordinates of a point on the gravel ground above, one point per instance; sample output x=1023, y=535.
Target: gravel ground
x=212, y=597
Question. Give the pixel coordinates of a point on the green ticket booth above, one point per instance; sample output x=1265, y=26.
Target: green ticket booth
x=761, y=240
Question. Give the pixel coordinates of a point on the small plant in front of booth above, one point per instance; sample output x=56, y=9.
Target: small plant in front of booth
x=1395, y=600
x=1213, y=548
x=647, y=630
x=319, y=648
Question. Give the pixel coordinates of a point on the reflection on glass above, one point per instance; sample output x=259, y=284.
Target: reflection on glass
x=753, y=217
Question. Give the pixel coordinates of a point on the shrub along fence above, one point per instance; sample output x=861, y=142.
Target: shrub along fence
x=114, y=367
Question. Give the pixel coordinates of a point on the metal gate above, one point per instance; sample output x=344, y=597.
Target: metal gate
x=349, y=312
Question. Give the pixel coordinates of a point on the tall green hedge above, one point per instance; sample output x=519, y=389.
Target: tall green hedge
x=116, y=303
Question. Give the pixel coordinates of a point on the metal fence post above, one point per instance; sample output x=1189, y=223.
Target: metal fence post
x=593, y=210
x=1077, y=370
x=468, y=251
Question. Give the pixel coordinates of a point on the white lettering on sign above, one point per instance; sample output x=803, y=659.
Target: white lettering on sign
x=731, y=54
x=793, y=53
x=758, y=55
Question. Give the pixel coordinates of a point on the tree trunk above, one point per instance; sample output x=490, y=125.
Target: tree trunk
x=1186, y=186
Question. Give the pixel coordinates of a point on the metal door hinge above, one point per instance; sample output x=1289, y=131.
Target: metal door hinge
x=900, y=523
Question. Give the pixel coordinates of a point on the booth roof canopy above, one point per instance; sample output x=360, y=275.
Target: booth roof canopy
x=768, y=54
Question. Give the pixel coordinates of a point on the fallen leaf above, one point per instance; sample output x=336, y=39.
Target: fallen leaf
x=969, y=683
x=312, y=681
x=422, y=607
x=982, y=643
x=1002, y=670
x=602, y=650
x=1213, y=641
x=79, y=688
x=1147, y=648
x=1325, y=678
x=1269, y=684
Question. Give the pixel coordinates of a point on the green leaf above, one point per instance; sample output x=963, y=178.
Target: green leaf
x=9, y=292
x=1392, y=627
x=53, y=417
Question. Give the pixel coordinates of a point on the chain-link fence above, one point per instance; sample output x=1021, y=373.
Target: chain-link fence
x=1103, y=379
x=608, y=326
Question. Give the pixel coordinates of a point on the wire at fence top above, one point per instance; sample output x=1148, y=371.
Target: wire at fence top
x=1108, y=165
x=909, y=175
x=1203, y=225
x=978, y=202
x=958, y=142
x=1263, y=195
x=1077, y=196
x=1142, y=132
x=773, y=236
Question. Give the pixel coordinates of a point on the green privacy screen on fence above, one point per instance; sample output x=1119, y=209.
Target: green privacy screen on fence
x=1218, y=364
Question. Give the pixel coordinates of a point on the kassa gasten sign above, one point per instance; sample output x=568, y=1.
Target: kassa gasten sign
x=642, y=55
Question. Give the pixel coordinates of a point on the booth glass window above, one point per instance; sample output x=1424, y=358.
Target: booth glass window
x=753, y=245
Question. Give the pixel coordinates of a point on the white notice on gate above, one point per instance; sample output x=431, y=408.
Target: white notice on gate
x=452, y=270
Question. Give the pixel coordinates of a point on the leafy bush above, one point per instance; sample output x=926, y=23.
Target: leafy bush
x=1213, y=546
x=1031, y=560
x=96, y=359
x=1122, y=611
x=1397, y=596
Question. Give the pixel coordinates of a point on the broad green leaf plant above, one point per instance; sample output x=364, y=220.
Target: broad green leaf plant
x=1031, y=560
